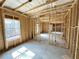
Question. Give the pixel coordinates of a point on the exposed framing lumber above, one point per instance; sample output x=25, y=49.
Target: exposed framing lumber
x=13, y=11
x=21, y=5
x=41, y=5
x=51, y=11
x=36, y=7
x=73, y=33
x=68, y=29
x=77, y=39
x=3, y=33
x=63, y=6
x=72, y=29
x=2, y=2
x=49, y=18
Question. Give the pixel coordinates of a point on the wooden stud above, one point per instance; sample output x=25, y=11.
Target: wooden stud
x=2, y=30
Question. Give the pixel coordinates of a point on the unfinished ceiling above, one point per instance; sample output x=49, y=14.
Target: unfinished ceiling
x=33, y=6
x=1, y=2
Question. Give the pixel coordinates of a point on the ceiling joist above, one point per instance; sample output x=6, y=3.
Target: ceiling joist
x=64, y=7
x=48, y=2
x=23, y=4
x=2, y=2
x=57, y=7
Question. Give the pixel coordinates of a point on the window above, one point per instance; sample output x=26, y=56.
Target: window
x=37, y=26
x=12, y=28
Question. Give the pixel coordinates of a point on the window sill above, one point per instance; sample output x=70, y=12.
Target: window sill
x=13, y=38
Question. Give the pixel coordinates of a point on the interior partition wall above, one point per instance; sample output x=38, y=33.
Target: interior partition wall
x=77, y=39
x=51, y=31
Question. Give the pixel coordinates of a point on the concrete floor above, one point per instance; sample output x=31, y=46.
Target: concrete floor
x=39, y=50
x=56, y=38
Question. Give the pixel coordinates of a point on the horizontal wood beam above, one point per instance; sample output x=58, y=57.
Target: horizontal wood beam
x=63, y=6
x=13, y=11
x=48, y=2
x=21, y=5
x=2, y=2
x=33, y=8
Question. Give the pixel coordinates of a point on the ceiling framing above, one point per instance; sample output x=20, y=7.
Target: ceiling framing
x=22, y=4
x=2, y=2
x=35, y=9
